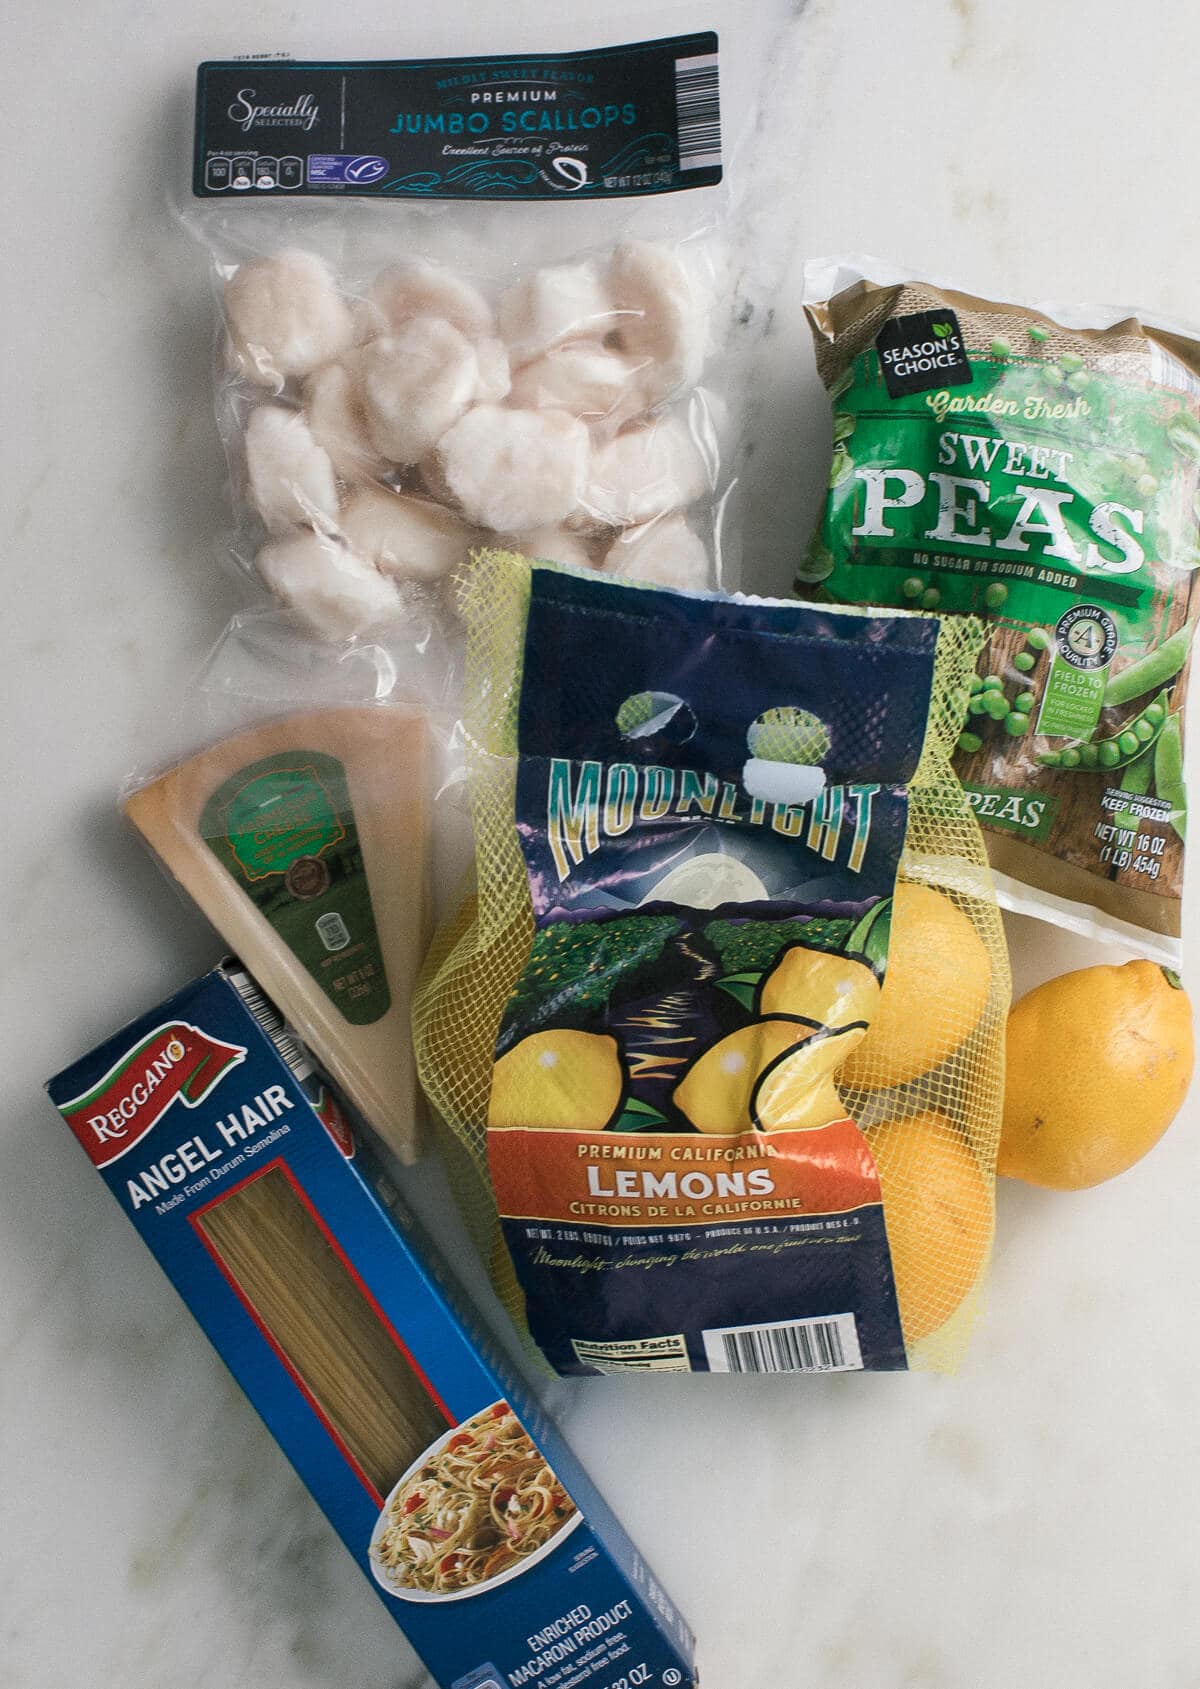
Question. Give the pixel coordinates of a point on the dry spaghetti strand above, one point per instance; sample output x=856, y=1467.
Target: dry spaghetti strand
x=318, y=1317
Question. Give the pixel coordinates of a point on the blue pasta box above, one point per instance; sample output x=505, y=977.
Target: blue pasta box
x=481, y=1532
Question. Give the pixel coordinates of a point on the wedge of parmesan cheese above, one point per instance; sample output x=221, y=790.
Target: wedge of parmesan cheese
x=306, y=844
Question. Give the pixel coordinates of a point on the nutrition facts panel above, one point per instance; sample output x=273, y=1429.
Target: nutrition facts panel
x=242, y=172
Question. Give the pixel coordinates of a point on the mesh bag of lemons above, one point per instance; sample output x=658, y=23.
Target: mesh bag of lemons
x=718, y=1036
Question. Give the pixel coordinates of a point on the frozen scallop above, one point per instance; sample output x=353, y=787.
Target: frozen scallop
x=290, y=476
x=337, y=418
x=369, y=321
x=431, y=479
x=513, y=470
x=663, y=320
x=585, y=378
x=495, y=374
x=419, y=288
x=336, y=590
x=553, y=306
x=667, y=553
x=285, y=317
x=643, y=473
x=416, y=383
x=409, y=538
x=555, y=545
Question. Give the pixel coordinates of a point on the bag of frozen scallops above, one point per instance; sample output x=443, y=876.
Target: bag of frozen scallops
x=1040, y=468
x=720, y=1032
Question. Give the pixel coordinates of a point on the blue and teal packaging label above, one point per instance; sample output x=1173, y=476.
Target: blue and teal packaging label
x=711, y=820
x=488, y=1543
x=607, y=123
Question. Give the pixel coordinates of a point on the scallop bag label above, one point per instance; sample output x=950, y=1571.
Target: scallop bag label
x=636, y=119
x=711, y=817
x=988, y=459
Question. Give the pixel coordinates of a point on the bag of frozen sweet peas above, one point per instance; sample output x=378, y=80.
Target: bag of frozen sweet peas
x=732, y=987
x=1041, y=468
x=472, y=300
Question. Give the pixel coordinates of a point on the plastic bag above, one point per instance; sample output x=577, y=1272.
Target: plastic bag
x=1040, y=467
x=658, y=1031
x=479, y=299
x=301, y=823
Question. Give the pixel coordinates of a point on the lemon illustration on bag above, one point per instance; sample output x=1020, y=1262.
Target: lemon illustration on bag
x=558, y=1078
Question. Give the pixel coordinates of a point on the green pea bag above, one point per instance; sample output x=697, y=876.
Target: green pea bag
x=1039, y=468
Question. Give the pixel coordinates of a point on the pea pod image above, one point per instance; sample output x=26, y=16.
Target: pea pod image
x=1151, y=671
x=1120, y=749
x=1139, y=774
x=1168, y=772
x=1136, y=780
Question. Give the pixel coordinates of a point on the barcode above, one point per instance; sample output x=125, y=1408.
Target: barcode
x=698, y=112
x=272, y=1022
x=813, y=1345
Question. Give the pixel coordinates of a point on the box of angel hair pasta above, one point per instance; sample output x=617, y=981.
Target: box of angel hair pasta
x=482, y=1534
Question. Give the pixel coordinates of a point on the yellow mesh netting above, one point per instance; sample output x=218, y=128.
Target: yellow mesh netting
x=938, y=1175
x=934, y=1132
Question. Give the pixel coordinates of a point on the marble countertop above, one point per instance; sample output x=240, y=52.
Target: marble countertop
x=1031, y=1521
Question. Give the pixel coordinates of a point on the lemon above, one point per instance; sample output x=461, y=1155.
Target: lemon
x=937, y=1207
x=558, y=1078
x=714, y=1093
x=935, y=987
x=820, y=985
x=1098, y=1063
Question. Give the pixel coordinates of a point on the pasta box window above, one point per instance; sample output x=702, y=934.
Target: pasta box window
x=480, y=1531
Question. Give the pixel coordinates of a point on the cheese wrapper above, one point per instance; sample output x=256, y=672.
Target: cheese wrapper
x=305, y=842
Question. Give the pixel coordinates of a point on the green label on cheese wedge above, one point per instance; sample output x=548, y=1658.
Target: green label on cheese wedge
x=284, y=830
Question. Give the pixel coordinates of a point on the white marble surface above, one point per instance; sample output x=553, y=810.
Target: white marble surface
x=1030, y=1522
